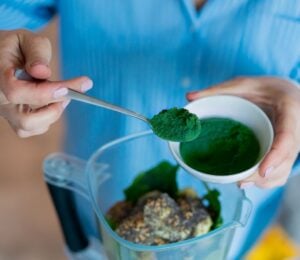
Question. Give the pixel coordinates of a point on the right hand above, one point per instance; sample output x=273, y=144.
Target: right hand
x=30, y=107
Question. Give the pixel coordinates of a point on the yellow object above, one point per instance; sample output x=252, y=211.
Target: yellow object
x=275, y=245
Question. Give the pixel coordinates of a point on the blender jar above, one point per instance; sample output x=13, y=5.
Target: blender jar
x=113, y=167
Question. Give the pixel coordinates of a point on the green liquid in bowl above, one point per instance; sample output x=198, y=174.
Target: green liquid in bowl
x=223, y=147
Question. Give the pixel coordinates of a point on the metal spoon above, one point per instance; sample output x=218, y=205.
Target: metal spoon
x=75, y=95
x=161, y=126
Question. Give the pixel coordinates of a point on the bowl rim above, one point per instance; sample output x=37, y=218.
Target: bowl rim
x=230, y=178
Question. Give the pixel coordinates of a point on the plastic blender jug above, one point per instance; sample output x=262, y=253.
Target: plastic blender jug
x=113, y=167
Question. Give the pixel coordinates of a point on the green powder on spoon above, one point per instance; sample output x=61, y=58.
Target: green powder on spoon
x=176, y=124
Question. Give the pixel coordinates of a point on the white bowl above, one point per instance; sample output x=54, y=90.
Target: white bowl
x=238, y=109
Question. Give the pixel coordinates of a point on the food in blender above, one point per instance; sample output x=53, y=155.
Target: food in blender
x=162, y=214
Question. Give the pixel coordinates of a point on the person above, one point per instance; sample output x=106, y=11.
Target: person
x=146, y=55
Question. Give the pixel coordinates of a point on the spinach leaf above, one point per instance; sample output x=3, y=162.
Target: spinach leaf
x=162, y=177
x=113, y=225
x=214, y=206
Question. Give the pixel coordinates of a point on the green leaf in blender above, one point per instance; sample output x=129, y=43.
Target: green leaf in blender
x=162, y=177
x=214, y=206
x=113, y=225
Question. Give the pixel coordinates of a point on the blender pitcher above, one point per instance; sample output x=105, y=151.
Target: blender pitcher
x=113, y=167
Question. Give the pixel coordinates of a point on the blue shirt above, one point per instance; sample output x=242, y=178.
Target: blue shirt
x=145, y=55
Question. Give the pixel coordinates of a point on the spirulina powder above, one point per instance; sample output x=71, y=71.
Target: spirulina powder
x=176, y=124
x=224, y=147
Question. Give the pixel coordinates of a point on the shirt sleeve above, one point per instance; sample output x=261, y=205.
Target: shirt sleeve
x=27, y=14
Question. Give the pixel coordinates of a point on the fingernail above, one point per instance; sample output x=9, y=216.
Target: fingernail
x=245, y=185
x=60, y=92
x=86, y=85
x=193, y=92
x=191, y=95
x=65, y=103
x=268, y=171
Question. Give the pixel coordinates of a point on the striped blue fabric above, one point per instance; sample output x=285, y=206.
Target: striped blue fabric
x=29, y=14
x=145, y=55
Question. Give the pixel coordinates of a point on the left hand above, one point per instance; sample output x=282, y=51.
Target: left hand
x=280, y=99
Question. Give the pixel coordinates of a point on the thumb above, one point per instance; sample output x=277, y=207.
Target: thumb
x=18, y=88
x=37, y=54
x=219, y=89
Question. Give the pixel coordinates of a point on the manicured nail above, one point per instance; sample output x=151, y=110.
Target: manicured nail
x=193, y=92
x=86, y=85
x=65, y=103
x=245, y=185
x=60, y=92
x=268, y=171
x=191, y=95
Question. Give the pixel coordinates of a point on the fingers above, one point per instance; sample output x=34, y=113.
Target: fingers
x=250, y=181
x=280, y=150
x=10, y=53
x=39, y=93
x=27, y=123
x=225, y=88
x=278, y=177
x=276, y=166
x=37, y=54
x=25, y=134
x=284, y=145
x=42, y=118
x=21, y=48
x=281, y=104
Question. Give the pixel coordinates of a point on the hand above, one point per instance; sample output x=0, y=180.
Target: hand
x=31, y=107
x=280, y=99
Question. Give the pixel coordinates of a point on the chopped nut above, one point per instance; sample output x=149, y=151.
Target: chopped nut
x=119, y=211
x=157, y=219
x=165, y=218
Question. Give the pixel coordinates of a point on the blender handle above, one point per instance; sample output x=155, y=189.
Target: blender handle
x=57, y=172
x=73, y=233
x=246, y=211
x=62, y=172
x=66, y=171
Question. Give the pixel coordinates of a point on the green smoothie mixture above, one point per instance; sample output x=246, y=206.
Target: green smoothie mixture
x=176, y=124
x=223, y=147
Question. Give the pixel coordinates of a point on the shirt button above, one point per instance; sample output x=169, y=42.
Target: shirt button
x=185, y=82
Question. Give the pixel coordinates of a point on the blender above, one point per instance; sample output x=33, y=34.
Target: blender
x=111, y=169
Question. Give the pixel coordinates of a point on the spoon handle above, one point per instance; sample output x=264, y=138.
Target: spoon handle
x=75, y=95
